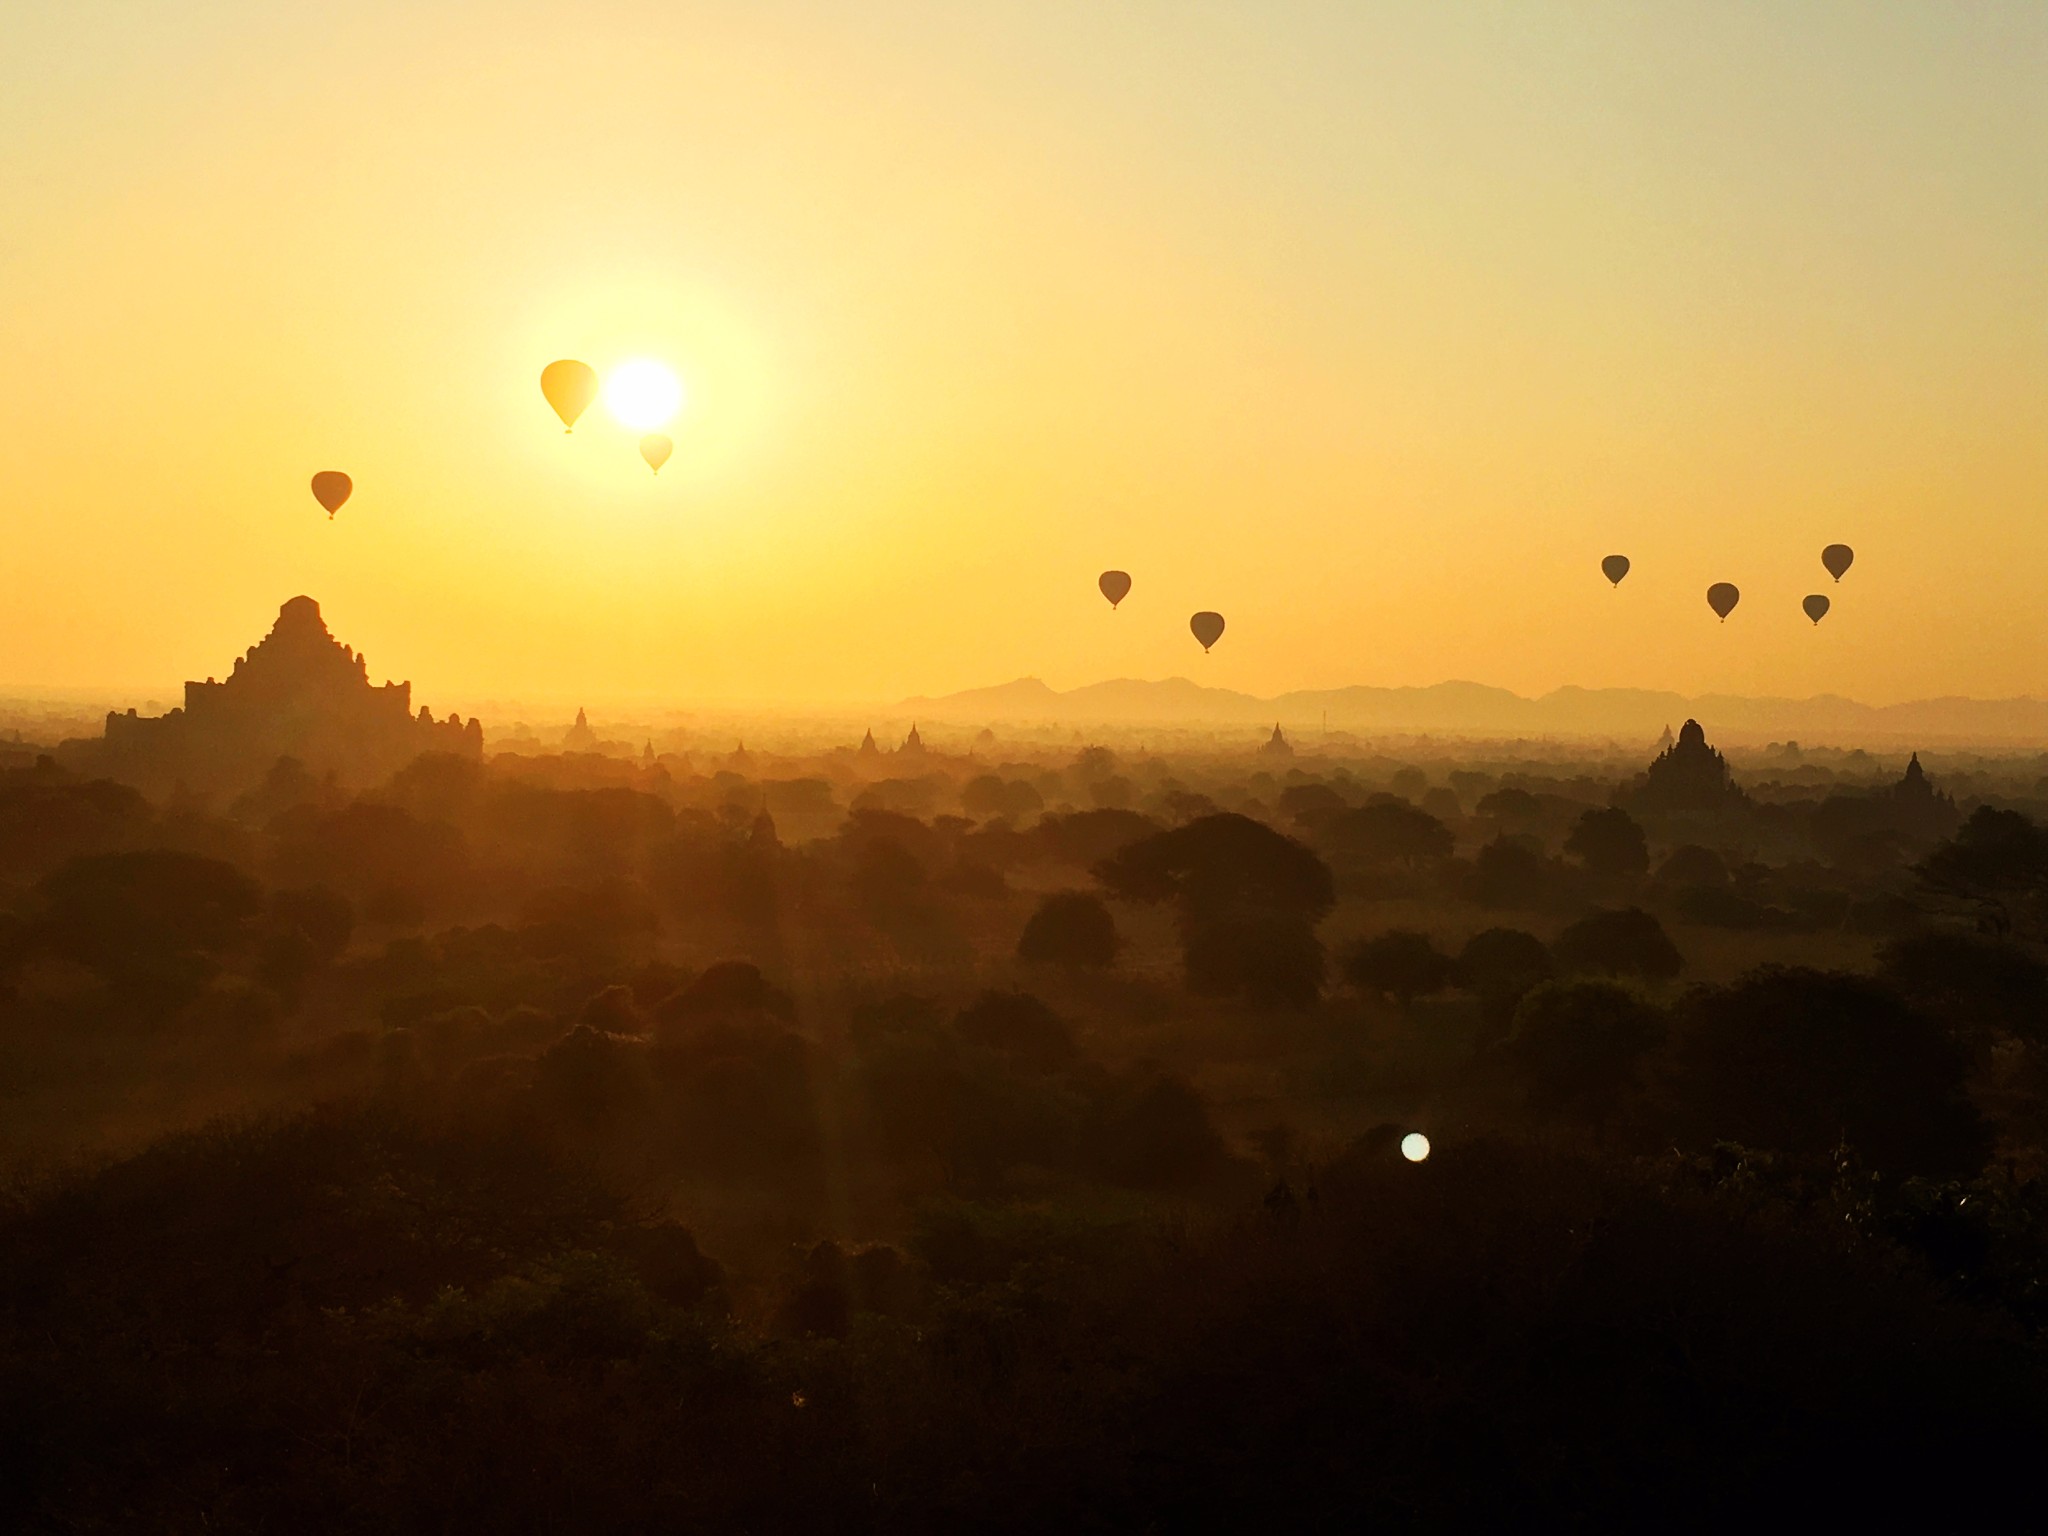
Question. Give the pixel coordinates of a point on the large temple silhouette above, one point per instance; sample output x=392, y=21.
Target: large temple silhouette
x=301, y=694
x=1688, y=775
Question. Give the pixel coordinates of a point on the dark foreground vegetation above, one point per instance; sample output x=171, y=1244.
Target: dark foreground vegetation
x=576, y=1143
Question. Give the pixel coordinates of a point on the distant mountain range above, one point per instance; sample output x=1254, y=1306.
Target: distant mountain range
x=1473, y=709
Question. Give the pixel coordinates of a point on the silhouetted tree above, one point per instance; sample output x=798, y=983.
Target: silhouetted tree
x=1998, y=862
x=322, y=916
x=1087, y=838
x=1271, y=959
x=1019, y=1028
x=1387, y=832
x=985, y=795
x=1512, y=808
x=1509, y=872
x=1069, y=928
x=1626, y=942
x=729, y=989
x=1577, y=1046
x=395, y=867
x=1970, y=980
x=1248, y=898
x=1310, y=805
x=154, y=922
x=1499, y=966
x=1222, y=864
x=1609, y=844
x=1152, y=1131
x=1801, y=1061
x=48, y=816
x=886, y=875
x=1398, y=964
x=1692, y=865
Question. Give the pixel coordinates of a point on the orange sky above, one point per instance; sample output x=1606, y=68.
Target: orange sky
x=1373, y=326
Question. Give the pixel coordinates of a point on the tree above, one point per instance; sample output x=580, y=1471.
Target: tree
x=1019, y=1028
x=1270, y=959
x=1998, y=861
x=1510, y=807
x=729, y=989
x=1087, y=838
x=1151, y=1130
x=1398, y=964
x=154, y=921
x=1069, y=928
x=1801, y=1061
x=1499, y=966
x=1609, y=844
x=1578, y=1046
x=985, y=795
x=1970, y=980
x=1310, y=804
x=1249, y=899
x=1511, y=872
x=1625, y=942
x=1222, y=864
x=1388, y=832
x=1692, y=865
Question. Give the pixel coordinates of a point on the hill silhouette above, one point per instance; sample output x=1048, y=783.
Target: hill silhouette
x=1476, y=709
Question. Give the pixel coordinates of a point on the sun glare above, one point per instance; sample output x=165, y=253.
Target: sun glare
x=643, y=394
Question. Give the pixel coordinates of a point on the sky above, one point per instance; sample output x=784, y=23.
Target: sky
x=1372, y=326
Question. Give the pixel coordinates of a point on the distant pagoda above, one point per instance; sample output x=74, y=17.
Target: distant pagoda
x=301, y=694
x=1918, y=808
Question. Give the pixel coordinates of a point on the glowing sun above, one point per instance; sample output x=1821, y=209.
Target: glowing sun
x=643, y=394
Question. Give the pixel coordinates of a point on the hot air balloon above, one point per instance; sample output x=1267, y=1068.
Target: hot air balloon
x=1816, y=607
x=1614, y=567
x=1116, y=586
x=570, y=387
x=331, y=488
x=1837, y=558
x=655, y=449
x=1722, y=598
x=1208, y=628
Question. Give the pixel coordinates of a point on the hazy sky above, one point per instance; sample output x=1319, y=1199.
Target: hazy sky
x=1373, y=326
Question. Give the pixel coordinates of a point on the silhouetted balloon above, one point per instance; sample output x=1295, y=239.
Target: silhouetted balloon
x=655, y=449
x=1722, y=598
x=1614, y=567
x=1816, y=607
x=1116, y=586
x=1208, y=628
x=1837, y=558
x=331, y=488
x=570, y=387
